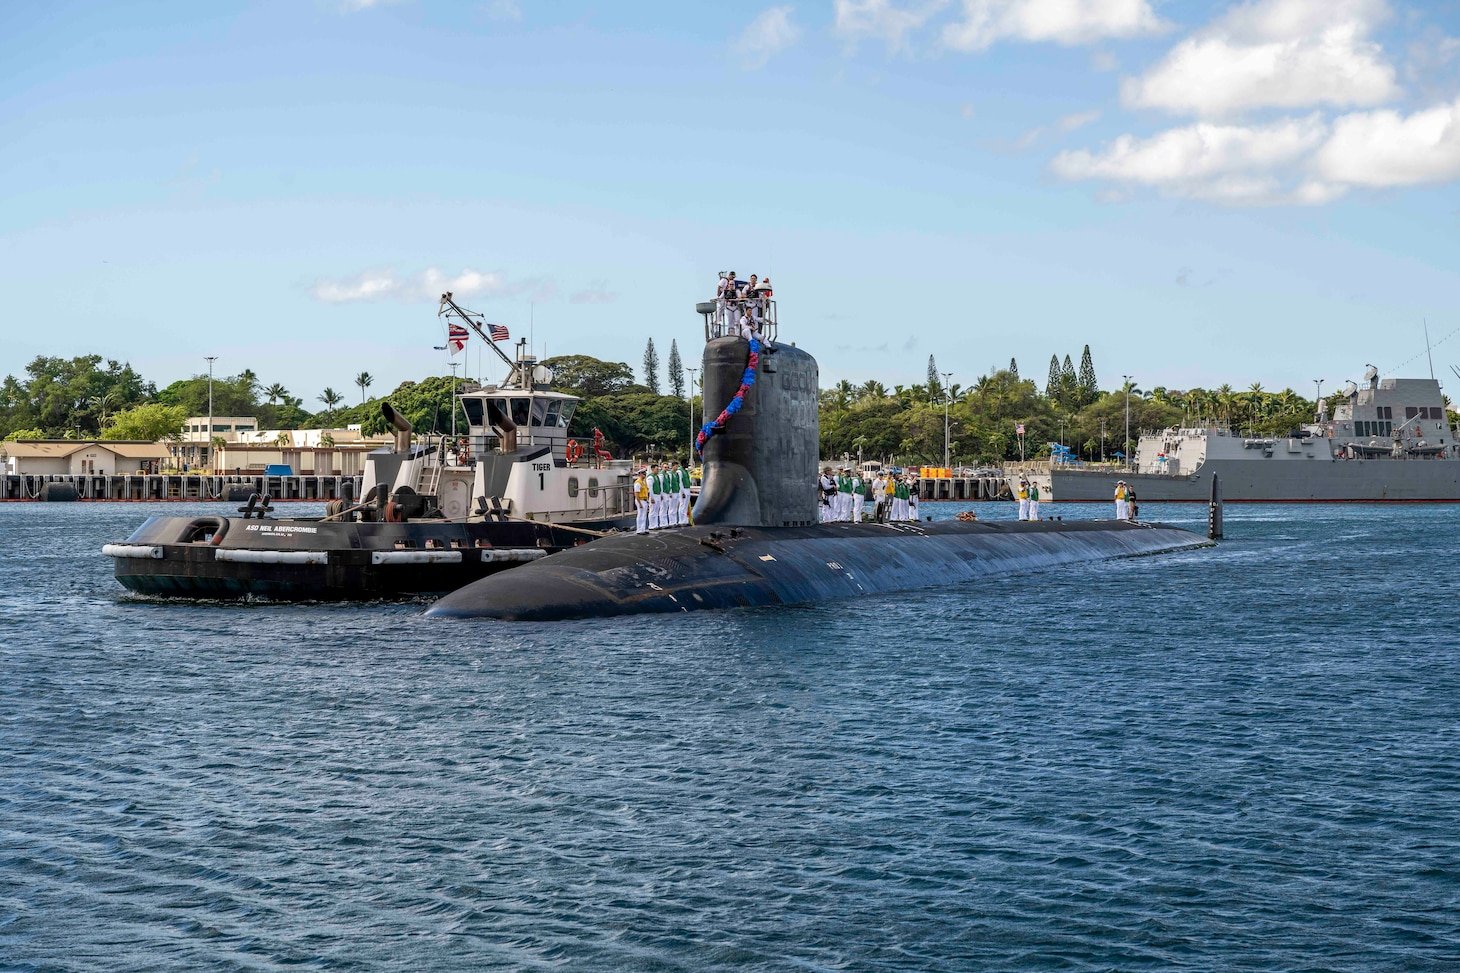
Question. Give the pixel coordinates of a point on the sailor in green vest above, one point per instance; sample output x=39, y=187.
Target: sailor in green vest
x=671, y=497
x=656, y=498
x=842, y=489
x=899, y=500
x=1033, y=500
x=684, y=495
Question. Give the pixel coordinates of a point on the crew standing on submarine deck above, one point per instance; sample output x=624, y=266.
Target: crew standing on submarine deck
x=1023, y=497
x=641, y=502
x=1033, y=501
x=1120, y=501
x=684, y=494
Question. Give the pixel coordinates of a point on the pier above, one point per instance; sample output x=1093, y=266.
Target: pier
x=180, y=486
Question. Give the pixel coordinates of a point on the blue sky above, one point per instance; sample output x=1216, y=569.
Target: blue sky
x=1203, y=192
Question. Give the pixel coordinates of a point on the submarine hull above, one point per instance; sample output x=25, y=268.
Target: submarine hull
x=699, y=568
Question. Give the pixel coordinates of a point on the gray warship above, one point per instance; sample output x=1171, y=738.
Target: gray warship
x=1387, y=440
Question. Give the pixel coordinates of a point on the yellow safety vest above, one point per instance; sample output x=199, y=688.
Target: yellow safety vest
x=641, y=489
x=1023, y=494
x=1120, y=493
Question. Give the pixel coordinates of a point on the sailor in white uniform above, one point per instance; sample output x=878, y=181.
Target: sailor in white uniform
x=684, y=495
x=856, y=499
x=641, y=502
x=1023, y=496
x=826, y=485
x=1121, y=512
x=726, y=294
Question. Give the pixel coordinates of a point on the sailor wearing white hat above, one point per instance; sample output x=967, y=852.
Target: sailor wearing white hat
x=641, y=501
x=1121, y=511
x=1022, y=495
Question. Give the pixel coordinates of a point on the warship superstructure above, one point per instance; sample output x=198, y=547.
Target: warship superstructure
x=1390, y=439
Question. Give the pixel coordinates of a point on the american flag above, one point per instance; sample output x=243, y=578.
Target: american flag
x=499, y=332
x=1019, y=429
x=456, y=337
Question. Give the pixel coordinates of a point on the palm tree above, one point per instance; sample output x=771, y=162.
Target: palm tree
x=276, y=392
x=250, y=378
x=364, y=380
x=330, y=398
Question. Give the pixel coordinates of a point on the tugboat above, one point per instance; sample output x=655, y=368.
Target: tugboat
x=435, y=514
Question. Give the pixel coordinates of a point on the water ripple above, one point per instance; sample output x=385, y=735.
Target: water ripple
x=1243, y=759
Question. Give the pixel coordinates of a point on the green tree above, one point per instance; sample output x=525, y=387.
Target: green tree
x=651, y=367
x=1052, y=386
x=276, y=393
x=676, y=370
x=364, y=380
x=1089, y=387
x=935, y=386
x=1014, y=368
x=148, y=423
x=588, y=376
x=330, y=398
x=1069, y=384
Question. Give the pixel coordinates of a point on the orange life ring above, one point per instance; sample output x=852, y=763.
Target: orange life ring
x=575, y=451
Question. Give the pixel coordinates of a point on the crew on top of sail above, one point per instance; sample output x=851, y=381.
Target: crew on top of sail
x=743, y=305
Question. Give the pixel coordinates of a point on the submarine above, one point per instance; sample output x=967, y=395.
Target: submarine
x=757, y=539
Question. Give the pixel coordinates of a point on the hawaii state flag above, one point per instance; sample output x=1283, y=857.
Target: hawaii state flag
x=456, y=337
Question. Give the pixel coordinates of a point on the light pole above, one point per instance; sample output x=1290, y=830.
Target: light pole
x=1126, y=450
x=693, y=373
x=947, y=399
x=209, y=435
x=453, y=403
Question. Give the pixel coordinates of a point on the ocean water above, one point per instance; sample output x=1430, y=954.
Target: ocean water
x=1239, y=759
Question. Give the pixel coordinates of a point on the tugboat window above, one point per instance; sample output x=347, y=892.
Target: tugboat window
x=474, y=411
x=552, y=414
x=539, y=412
x=569, y=407
x=572, y=486
x=520, y=409
x=593, y=486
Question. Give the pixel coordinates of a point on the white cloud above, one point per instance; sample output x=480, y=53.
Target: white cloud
x=1385, y=148
x=370, y=286
x=1078, y=120
x=1273, y=54
x=882, y=20
x=1065, y=125
x=596, y=292
x=355, y=6
x=504, y=10
x=767, y=35
x=428, y=285
x=1226, y=163
x=1067, y=22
